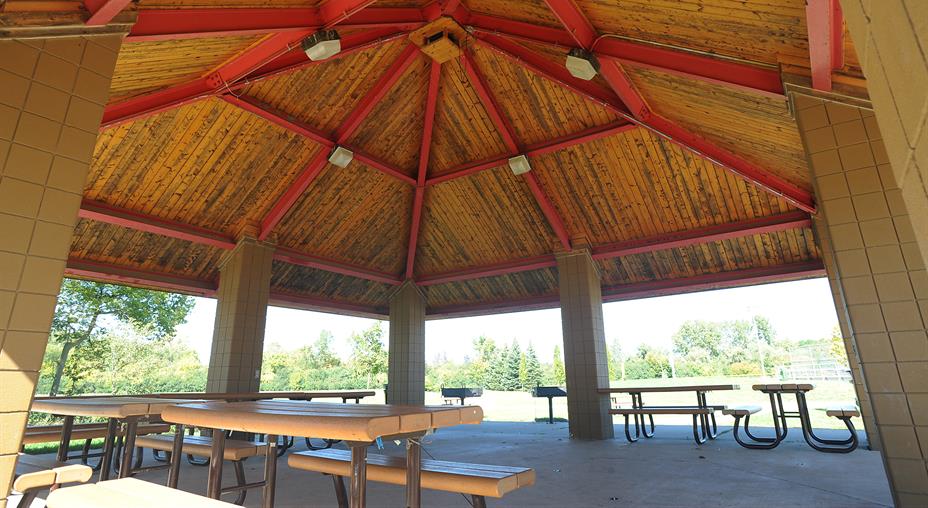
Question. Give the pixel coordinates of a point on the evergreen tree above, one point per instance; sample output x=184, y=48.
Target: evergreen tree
x=560, y=376
x=533, y=373
x=497, y=371
x=511, y=367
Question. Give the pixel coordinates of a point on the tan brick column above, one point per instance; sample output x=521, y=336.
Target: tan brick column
x=241, y=313
x=584, y=346
x=406, y=371
x=877, y=269
x=52, y=93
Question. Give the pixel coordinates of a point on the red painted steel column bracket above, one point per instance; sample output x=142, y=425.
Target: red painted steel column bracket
x=103, y=11
x=102, y=212
x=825, y=26
x=424, y=152
x=505, y=130
x=380, y=89
x=348, y=127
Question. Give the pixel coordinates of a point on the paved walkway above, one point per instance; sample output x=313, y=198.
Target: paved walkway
x=667, y=471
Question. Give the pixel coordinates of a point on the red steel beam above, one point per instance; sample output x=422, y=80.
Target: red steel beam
x=102, y=212
x=380, y=89
x=662, y=127
x=825, y=26
x=172, y=24
x=315, y=304
x=717, y=233
x=574, y=21
x=505, y=129
x=535, y=150
x=112, y=274
x=691, y=64
x=761, y=225
x=103, y=11
x=293, y=193
x=638, y=290
x=334, y=12
x=424, y=152
x=281, y=119
x=302, y=259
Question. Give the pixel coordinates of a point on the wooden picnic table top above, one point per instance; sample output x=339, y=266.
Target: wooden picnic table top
x=303, y=395
x=106, y=407
x=348, y=422
x=784, y=387
x=659, y=389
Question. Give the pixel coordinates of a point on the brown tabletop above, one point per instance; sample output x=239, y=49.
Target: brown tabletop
x=784, y=387
x=348, y=422
x=106, y=407
x=659, y=389
x=321, y=394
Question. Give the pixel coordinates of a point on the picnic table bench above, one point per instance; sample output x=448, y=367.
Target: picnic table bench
x=82, y=431
x=704, y=424
x=128, y=492
x=476, y=480
x=775, y=392
x=32, y=477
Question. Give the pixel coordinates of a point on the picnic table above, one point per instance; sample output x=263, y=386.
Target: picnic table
x=117, y=410
x=775, y=392
x=704, y=425
x=358, y=425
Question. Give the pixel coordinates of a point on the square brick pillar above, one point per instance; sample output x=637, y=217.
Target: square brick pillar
x=877, y=269
x=52, y=93
x=241, y=314
x=584, y=346
x=406, y=371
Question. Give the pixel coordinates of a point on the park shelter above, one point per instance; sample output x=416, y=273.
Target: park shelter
x=458, y=158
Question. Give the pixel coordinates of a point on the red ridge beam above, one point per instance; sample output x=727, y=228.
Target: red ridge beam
x=424, y=152
x=574, y=21
x=102, y=212
x=721, y=232
x=722, y=280
x=103, y=11
x=490, y=105
x=127, y=276
x=826, y=45
x=505, y=268
x=293, y=193
x=334, y=12
x=298, y=258
x=548, y=209
x=380, y=89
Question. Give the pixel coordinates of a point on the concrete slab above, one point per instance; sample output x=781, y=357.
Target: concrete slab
x=666, y=471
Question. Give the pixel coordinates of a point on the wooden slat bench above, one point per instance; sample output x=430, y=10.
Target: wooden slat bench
x=236, y=451
x=86, y=432
x=700, y=431
x=33, y=477
x=477, y=480
x=128, y=492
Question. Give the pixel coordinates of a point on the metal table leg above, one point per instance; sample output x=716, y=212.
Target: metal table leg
x=550, y=410
x=413, y=473
x=270, y=471
x=63, y=446
x=176, y=452
x=109, y=443
x=216, y=454
x=358, y=480
x=125, y=469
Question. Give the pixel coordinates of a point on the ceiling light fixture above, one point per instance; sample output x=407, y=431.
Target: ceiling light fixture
x=341, y=156
x=519, y=165
x=582, y=64
x=322, y=44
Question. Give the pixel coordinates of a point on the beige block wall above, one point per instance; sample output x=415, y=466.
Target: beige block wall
x=52, y=93
x=585, y=360
x=877, y=269
x=241, y=315
x=406, y=370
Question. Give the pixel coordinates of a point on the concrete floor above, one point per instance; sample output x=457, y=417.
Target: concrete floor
x=668, y=470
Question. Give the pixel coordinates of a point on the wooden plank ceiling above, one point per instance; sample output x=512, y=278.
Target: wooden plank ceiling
x=211, y=165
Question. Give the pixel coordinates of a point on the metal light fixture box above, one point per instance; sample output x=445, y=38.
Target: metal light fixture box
x=582, y=64
x=322, y=44
x=341, y=156
x=519, y=165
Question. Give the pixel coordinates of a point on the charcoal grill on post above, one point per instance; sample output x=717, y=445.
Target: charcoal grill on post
x=460, y=393
x=550, y=392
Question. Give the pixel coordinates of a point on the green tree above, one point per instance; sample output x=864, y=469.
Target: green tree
x=322, y=355
x=369, y=358
x=534, y=375
x=511, y=367
x=87, y=310
x=560, y=376
x=615, y=360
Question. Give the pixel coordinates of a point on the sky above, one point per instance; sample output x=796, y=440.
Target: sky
x=797, y=310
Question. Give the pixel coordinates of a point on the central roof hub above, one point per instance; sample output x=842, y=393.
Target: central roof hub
x=440, y=39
